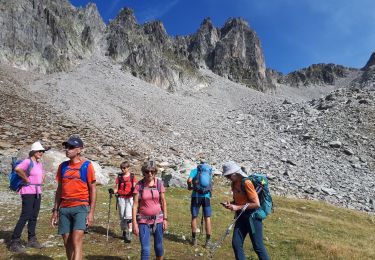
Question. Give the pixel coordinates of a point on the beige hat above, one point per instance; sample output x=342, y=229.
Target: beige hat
x=37, y=146
x=231, y=167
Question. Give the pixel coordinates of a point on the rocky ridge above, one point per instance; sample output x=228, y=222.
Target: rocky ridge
x=321, y=148
x=50, y=36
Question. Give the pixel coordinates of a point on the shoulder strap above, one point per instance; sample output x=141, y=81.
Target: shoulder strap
x=64, y=167
x=84, y=170
x=243, y=185
x=132, y=182
x=31, y=165
x=141, y=188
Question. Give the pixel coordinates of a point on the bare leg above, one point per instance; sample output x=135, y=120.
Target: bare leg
x=77, y=240
x=194, y=225
x=68, y=245
x=207, y=221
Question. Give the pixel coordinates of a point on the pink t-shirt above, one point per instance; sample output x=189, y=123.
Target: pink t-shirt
x=36, y=177
x=149, y=206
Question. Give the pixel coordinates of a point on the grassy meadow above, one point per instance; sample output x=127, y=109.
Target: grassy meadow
x=298, y=229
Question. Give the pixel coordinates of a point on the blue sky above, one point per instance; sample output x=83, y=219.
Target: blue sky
x=294, y=33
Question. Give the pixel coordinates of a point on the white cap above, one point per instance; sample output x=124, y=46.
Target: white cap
x=37, y=146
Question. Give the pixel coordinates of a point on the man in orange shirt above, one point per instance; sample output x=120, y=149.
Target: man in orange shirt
x=75, y=198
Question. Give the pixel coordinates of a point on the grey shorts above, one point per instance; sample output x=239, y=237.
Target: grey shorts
x=72, y=218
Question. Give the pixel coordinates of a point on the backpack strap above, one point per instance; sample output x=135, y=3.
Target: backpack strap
x=132, y=182
x=82, y=171
x=28, y=170
x=120, y=179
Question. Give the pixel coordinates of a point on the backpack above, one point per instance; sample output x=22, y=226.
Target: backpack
x=121, y=180
x=142, y=187
x=202, y=182
x=82, y=176
x=82, y=171
x=260, y=183
x=15, y=181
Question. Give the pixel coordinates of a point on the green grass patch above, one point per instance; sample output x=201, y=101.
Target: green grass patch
x=298, y=229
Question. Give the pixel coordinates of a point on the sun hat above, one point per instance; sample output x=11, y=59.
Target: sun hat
x=74, y=141
x=231, y=167
x=37, y=146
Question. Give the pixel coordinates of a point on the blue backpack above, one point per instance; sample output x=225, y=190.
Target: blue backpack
x=260, y=183
x=82, y=171
x=15, y=181
x=82, y=176
x=202, y=182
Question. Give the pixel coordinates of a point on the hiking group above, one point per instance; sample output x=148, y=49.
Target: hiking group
x=141, y=205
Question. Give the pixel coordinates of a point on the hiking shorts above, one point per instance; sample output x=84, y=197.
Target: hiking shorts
x=72, y=218
x=125, y=206
x=196, y=203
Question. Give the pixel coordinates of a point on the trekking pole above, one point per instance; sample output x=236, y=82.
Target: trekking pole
x=109, y=209
x=201, y=227
x=226, y=233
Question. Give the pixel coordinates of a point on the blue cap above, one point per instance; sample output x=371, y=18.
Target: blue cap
x=74, y=141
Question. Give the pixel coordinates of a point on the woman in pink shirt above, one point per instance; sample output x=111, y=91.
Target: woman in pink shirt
x=32, y=173
x=150, y=211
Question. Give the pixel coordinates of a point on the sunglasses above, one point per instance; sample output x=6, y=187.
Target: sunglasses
x=70, y=147
x=41, y=151
x=148, y=172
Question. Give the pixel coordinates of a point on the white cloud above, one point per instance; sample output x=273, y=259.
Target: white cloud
x=156, y=12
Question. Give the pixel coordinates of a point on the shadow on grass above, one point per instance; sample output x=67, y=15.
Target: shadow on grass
x=103, y=231
x=103, y=257
x=176, y=238
x=7, y=236
x=32, y=257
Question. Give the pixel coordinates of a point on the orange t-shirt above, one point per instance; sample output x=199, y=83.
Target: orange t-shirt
x=240, y=198
x=75, y=189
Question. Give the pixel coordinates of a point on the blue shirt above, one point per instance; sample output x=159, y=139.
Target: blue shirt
x=195, y=194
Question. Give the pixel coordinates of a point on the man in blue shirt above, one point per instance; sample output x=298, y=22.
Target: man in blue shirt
x=200, y=181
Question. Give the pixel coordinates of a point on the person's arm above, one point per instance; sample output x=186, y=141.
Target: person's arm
x=164, y=209
x=134, y=214
x=189, y=183
x=92, y=196
x=56, y=206
x=20, y=172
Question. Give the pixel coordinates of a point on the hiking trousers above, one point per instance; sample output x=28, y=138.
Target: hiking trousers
x=29, y=214
x=240, y=231
x=144, y=238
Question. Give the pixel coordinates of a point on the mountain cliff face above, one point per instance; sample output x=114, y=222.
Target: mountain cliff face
x=316, y=74
x=47, y=35
x=51, y=36
x=367, y=78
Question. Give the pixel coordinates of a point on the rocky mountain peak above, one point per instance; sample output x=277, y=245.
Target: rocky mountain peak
x=206, y=24
x=156, y=32
x=370, y=63
x=235, y=23
x=126, y=18
x=316, y=74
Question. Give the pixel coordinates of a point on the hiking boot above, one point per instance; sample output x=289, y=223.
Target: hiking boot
x=16, y=246
x=33, y=242
x=208, y=243
x=194, y=241
x=128, y=237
